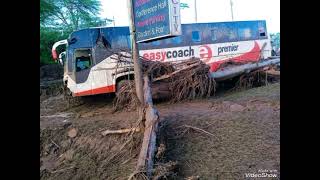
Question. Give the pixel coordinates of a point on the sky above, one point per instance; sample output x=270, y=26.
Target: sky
x=208, y=11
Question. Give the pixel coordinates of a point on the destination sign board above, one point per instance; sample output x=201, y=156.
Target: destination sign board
x=154, y=19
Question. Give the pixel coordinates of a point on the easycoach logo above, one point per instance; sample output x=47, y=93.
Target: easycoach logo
x=168, y=54
x=205, y=53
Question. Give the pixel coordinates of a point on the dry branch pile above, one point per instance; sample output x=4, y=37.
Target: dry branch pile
x=257, y=78
x=192, y=81
x=126, y=97
x=188, y=79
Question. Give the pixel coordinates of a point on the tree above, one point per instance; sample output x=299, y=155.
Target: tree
x=275, y=39
x=70, y=14
x=48, y=37
x=58, y=18
x=46, y=11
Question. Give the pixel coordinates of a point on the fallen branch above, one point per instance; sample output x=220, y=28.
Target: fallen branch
x=55, y=144
x=121, y=131
x=175, y=72
x=198, y=129
x=60, y=170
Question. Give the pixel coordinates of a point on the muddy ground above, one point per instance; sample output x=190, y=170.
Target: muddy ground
x=239, y=133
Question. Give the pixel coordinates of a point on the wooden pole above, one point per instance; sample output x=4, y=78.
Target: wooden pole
x=146, y=110
x=145, y=160
x=135, y=55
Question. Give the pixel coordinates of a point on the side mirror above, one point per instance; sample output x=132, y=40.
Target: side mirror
x=61, y=62
x=62, y=58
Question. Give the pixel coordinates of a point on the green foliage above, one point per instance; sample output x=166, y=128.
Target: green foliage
x=58, y=18
x=48, y=37
x=275, y=39
x=46, y=11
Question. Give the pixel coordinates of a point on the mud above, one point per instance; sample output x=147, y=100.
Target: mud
x=245, y=127
x=88, y=155
x=245, y=140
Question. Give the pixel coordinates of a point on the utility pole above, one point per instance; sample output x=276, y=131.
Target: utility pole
x=231, y=6
x=135, y=55
x=195, y=10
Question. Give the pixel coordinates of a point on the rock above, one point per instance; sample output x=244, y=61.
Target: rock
x=236, y=108
x=72, y=133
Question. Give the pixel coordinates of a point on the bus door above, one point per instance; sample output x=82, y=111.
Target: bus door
x=70, y=70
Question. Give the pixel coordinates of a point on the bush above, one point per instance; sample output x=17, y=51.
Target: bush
x=48, y=37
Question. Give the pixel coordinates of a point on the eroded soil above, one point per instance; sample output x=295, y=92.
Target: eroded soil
x=243, y=137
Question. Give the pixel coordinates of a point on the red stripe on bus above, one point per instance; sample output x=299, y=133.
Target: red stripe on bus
x=106, y=89
x=252, y=56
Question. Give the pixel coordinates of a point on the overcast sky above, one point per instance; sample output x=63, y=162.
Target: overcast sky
x=208, y=11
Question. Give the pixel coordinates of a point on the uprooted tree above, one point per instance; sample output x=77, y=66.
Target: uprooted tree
x=178, y=81
x=188, y=79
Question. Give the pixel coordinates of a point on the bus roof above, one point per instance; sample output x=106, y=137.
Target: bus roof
x=243, y=21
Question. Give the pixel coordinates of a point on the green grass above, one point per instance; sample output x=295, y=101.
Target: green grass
x=270, y=91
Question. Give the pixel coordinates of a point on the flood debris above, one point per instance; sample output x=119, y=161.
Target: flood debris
x=164, y=170
x=259, y=77
x=178, y=81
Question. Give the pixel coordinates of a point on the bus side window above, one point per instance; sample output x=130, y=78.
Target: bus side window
x=233, y=35
x=213, y=34
x=262, y=32
x=196, y=36
x=245, y=33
